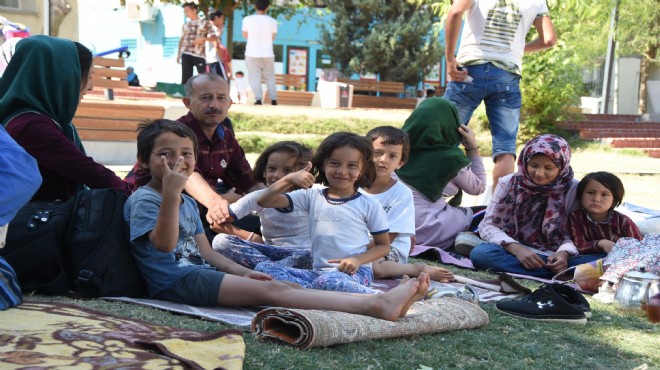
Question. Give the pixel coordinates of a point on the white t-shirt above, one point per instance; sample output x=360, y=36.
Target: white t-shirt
x=260, y=29
x=211, y=52
x=339, y=228
x=280, y=227
x=398, y=204
x=498, y=33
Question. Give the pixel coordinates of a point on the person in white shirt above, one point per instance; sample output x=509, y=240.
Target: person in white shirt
x=259, y=30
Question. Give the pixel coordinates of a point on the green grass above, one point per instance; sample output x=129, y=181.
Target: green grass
x=610, y=340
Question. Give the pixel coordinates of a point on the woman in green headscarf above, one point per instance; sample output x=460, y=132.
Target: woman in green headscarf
x=40, y=90
x=438, y=169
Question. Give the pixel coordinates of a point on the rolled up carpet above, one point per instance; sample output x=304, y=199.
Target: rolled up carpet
x=313, y=328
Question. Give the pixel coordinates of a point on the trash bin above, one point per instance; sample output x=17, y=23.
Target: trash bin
x=335, y=94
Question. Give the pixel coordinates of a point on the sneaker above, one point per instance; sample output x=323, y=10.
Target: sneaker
x=258, y=102
x=572, y=296
x=465, y=242
x=544, y=304
x=273, y=102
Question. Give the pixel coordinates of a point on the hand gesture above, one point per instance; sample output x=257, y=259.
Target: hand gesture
x=218, y=211
x=255, y=275
x=174, y=180
x=558, y=262
x=454, y=73
x=469, y=139
x=303, y=178
x=348, y=265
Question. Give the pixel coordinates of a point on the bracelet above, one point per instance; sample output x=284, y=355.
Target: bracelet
x=249, y=238
x=476, y=147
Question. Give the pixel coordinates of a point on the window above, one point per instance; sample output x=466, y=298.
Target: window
x=170, y=47
x=18, y=6
x=14, y=4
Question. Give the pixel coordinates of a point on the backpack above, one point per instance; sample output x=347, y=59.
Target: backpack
x=80, y=245
x=97, y=251
x=33, y=247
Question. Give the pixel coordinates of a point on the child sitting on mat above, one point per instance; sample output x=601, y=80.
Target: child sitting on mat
x=177, y=262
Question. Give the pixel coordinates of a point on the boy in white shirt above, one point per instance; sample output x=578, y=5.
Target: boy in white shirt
x=260, y=29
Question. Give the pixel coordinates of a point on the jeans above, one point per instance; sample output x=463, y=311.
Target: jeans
x=487, y=256
x=500, y=92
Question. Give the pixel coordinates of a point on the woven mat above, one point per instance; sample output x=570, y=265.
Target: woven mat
x=56, y=336
x=311, y=328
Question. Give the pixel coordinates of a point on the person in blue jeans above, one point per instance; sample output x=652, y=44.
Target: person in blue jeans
x=525, y=223
x=489, y=64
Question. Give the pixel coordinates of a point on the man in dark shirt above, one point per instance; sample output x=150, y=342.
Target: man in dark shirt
x=221, y=162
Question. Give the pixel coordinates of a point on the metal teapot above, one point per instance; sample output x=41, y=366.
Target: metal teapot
x=633, y=290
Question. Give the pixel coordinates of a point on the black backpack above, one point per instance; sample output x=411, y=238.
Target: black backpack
x=82, y=244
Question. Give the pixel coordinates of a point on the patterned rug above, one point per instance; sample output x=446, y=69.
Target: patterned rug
x=55, y=336
x=311, y=328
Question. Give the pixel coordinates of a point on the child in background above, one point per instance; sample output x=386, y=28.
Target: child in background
x=525, y=223
x=177, y=262
x=391, y=149
x=597, y=226
x=286, y=233
x=340, y=217
x=241, y=87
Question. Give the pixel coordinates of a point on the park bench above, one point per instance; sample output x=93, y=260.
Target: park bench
x=111, y=121
x=373, y=86
x=109, y=74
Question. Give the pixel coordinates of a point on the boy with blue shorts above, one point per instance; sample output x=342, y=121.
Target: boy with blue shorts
x=489, y=65
x=179, y=265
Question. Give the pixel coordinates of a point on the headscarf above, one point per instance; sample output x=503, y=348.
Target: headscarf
x=434, y=158
x=535, y=214
x=43, y=76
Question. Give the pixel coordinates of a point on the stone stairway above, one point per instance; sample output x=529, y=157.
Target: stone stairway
x=618, y=130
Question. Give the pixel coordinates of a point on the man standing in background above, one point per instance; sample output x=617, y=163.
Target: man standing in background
x=194, y=35
x=259, y=30
x=488, y=66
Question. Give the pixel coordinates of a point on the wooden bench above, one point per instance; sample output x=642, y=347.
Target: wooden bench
x=292, y=82
x=373, y=86
x=110, y=121
x=109, y=74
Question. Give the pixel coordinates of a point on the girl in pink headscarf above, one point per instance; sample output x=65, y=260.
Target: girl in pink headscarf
x=525, y=223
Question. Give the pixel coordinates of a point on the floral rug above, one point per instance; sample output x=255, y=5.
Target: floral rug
x=56, y=336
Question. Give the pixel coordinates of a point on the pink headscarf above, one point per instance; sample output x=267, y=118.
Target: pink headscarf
x=535, y=214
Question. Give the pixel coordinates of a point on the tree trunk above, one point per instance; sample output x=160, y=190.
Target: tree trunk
x=649, y=54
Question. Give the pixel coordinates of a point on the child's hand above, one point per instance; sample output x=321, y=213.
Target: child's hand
x=302, y=179
x=348, y=265
x=606, y=245
x=558, y=262
x=469, y=138
x=174, y=180
x=255, y=275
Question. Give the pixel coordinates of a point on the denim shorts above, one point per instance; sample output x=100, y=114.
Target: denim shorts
x=500, y=92
x=197, y=288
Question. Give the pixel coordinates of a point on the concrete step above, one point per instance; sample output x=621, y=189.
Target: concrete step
x=578, y=125
x=634, y=142
x=611, y=117
x=589, y=133
x=653, y=152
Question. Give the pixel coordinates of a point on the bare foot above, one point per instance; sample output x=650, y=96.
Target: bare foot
x=388, y=306
x=422, y=288
x=436, y=273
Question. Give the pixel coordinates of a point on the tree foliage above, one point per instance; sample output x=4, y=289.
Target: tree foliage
x=394, y=39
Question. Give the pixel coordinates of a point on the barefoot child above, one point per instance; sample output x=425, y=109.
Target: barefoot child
x=391, y=148
x=285, y=232
x=178, y=263
x=340, y=217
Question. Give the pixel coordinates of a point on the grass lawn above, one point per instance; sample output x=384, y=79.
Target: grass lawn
x=610, y=340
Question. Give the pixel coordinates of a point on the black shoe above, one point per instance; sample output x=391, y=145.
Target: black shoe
x=273, y=102
x=544, y=304
x=572, y=296
x=258, y=102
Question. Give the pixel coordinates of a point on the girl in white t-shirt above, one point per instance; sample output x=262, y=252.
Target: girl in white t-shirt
x=285, y=233
x=340, y=218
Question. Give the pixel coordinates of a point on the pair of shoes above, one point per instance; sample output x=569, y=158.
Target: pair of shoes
x=551, y=302
x=465, y=242
x=273, y=102
x=258, y=102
